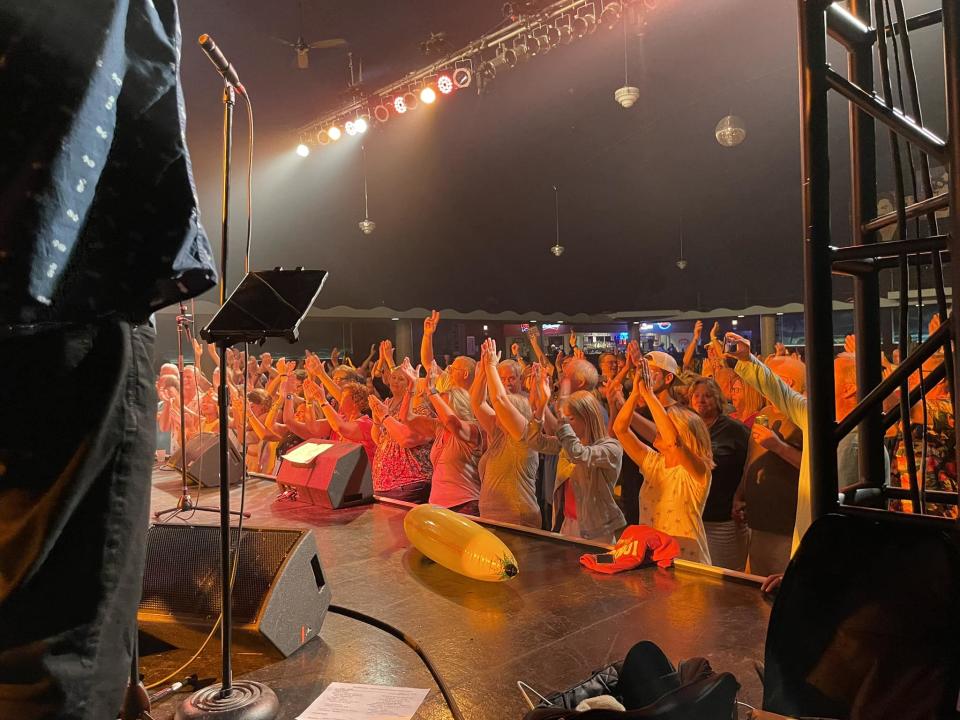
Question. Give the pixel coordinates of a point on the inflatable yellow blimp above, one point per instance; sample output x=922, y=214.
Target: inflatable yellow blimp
x=459, y=544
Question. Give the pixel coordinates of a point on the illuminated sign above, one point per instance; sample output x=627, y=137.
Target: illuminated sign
x=549, y=326
x=664, y=326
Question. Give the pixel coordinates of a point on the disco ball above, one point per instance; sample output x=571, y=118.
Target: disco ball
x=730, y=131
x=557, y=250
x=367, y=226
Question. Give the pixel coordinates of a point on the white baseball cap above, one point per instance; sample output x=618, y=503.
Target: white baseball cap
x=664, y=361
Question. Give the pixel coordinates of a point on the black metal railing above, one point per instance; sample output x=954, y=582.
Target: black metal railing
x=869, y=30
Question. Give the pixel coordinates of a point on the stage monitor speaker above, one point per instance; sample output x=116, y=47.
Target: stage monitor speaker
x=280, y=596
x=203, y=460
x=337, y=477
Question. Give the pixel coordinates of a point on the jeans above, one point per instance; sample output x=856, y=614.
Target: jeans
x=415, y=492
x=77, y=405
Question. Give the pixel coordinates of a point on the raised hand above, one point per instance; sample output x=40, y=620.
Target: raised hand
x=578, y=353
x=573, y=339
x=335, y=357
x=312, y=364
x=515, y=350
x=634, y=356
x=282, y=366
x=715, y=331
x=697, y=331
x=743, y=347
x=290, y=384
x=433, y=374
x=489, y=353
x=197, y=348
x=779, y=349
x=533, y=333
x=409, y=372
x=850, y=341
x=378, y=410
x=430, y=323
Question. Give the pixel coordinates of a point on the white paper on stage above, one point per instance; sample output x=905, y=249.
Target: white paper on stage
x=349, y=701
x=306, y=453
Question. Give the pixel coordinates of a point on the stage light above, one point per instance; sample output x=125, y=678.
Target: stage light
x=394, y=319
x=322, y=137
x=334, y=132
x=367, y=226
x=303, y=150
x=590, y=21
x=399, y=105
x=361, y=125
x=410, y=100
x=682, y=263
x=557, y=249
x=779, y=313
x=428, y=95
x=741, y=316
x=553, y=36
x=733, y=322
x=578, y=27
x=730, y=131
x=610, y=15
x=485, y=328
x=381, y=113
x=487, y=70
x=566, y=34
x=445, y=84
x=350, y=128
x=510, y=57
x=532, y=44
x=462, y=77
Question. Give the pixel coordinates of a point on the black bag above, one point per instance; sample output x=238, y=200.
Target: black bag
x=648, y=685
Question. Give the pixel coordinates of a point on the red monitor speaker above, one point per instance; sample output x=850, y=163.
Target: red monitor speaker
x=279, y=598
x=337, y=477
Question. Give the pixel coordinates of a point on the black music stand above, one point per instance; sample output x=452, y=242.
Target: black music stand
x=270, y=303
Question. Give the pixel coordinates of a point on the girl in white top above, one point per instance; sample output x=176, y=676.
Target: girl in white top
x=676, y=470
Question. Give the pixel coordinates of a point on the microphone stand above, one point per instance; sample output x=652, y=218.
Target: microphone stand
x=244, y=699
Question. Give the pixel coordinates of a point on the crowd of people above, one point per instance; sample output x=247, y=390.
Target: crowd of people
x=707, y=446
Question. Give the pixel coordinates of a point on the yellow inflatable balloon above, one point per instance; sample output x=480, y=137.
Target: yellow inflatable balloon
x=459, y=544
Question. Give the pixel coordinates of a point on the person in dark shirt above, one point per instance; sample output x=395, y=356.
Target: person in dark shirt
x=767, y=498
x=726, y=537
x=98, y=229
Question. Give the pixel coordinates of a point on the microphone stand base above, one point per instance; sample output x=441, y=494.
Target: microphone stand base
x=248, y=700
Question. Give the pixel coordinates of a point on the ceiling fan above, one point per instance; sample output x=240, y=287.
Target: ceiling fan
x=303, y=48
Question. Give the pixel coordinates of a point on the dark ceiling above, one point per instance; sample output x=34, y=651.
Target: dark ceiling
x=462, y=191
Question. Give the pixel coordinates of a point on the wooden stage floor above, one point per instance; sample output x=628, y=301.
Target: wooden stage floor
x=550, y=627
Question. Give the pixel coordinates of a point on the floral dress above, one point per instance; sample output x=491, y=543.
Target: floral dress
x=395, y=465
x=941, y=470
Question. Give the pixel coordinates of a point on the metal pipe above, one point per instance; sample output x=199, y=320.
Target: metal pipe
x=866, y=286
x=899, y=376
x=894, y=248
x=893, y=118
x=818, y=289
x=847, y=29
x=917, y=22
x=951, y=52
x=892, y=416
x=916, y=209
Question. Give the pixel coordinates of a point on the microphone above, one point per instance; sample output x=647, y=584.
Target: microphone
x=220, y=63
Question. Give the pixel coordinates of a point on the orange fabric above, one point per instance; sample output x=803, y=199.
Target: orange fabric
x=638, y=545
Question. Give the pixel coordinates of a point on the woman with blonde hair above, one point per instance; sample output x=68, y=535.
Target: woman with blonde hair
x=676, y=470
x=747, y=402
x=456, y=450
x=588, y=461
x=508, y=468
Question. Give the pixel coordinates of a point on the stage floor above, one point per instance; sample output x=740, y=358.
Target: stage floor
x=550, y=627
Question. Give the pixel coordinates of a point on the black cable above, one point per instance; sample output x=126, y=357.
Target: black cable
x=412, y=644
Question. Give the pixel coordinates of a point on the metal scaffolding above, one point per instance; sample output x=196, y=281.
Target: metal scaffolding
x=865, y=31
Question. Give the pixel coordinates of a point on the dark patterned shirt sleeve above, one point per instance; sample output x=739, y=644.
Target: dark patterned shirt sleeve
x=98, y=210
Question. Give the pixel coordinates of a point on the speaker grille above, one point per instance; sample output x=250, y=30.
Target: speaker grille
x=182, y=574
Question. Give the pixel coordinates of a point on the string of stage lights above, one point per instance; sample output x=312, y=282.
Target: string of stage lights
x=533, y=28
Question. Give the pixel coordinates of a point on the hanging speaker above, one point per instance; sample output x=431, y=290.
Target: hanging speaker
x=280, y=596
